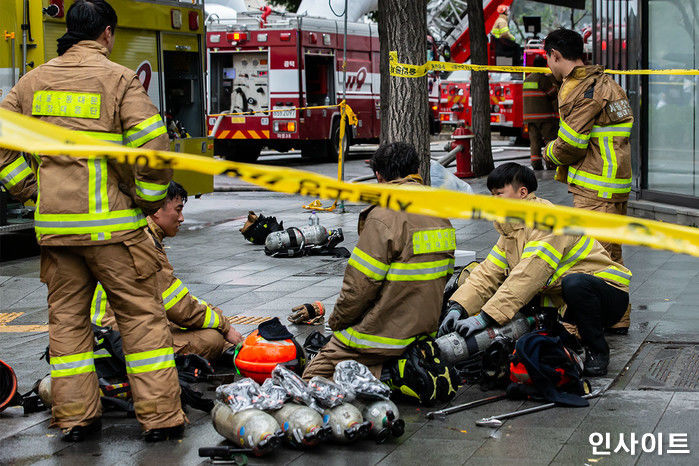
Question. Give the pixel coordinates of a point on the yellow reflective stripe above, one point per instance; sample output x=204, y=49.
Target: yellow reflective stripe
x=429, y=241
x=150, y=191
x=609, y=163
x=578, y=252
x=597, y=182
x=66, y=104
x=620, y=130
x=73, y=364
x=530, y=85
x=355, y=339
x=572, y=137
x=497, y=257
x=98, y=200
x=615, y=274
x=148, y=361
x=145, y=131
x=542, y=250
x=211, y=319
x=72, y=224
x=366, y=264
x=551, y=156
x=420, y=271
x=15, y=172
x=98, y=308
x=174, y=294
x=104, y=136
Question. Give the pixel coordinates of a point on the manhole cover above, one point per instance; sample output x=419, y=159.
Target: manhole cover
x=665, y=366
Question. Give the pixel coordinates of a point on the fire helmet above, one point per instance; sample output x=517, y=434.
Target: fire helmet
x=503, y=9
x=258, y=356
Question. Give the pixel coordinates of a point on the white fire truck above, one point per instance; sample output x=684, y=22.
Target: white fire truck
x=282, y=62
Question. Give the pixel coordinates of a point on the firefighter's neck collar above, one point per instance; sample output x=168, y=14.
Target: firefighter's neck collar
x=89, y=45
x=414, y=178
x=509, y=228
x=155, y=229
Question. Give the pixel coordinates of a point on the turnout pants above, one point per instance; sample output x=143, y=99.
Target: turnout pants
x=540, y=133
x=127, y=272
x=334, y=352
x=207, y=343
x=592, y=305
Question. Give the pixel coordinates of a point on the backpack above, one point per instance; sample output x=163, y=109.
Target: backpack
x=542, y=367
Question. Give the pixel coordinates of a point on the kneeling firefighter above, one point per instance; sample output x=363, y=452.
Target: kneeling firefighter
x=394, y=281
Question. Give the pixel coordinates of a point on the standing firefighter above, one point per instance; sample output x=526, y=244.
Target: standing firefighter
x=394, y=281
x=540, y=101
x=90, y=224
x=592, y=149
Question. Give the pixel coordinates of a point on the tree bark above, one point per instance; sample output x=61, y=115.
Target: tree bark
x=482, y=153
x=405, y=101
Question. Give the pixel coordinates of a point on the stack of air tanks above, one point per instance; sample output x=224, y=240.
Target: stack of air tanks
x=287, y=410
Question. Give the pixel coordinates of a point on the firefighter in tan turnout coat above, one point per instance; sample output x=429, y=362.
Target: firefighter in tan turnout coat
x=395, y=278
x=540, y=112
x=90, y=223
x=196, y=326
x=571, y=270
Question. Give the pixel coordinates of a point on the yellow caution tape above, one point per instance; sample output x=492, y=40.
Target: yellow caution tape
x=23, y=133
x=405, y=70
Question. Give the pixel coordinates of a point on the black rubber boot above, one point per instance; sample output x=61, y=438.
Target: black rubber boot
x=80, y=433
x=164, y=433
x=596, y=364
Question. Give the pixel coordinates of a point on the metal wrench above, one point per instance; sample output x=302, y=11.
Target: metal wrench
x=496, y=421
x=455, y=409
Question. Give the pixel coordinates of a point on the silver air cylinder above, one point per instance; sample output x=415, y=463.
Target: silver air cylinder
x=302, y=426
x=296, y=238
x=250, y=428
x=384, y=418
x=346, y=422
x=454, y=348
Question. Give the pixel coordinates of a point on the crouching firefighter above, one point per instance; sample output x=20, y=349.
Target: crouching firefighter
x=196, y=326
x=394, y=280
x=575, y=271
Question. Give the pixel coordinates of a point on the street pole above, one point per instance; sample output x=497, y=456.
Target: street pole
x=344, y=97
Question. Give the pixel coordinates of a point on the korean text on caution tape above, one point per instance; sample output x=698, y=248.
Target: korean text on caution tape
x=405, y=70
x=19, y=132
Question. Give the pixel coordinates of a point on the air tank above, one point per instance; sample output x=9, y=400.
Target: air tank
x=302, y=426
x=346, y=422
x=250, y=428
x=384, y=418
x=45, y=390
x=454, y=348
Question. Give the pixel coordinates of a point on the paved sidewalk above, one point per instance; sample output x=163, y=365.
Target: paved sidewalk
x=212, y=258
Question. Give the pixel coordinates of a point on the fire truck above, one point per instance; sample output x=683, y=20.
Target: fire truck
x=259, y=63
x=161, y=40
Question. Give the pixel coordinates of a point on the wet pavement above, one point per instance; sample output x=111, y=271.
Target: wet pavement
x=218, y=265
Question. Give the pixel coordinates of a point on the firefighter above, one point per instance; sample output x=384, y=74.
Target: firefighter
x=575, y=271
x=501, y=27
x=196, y=326
x=540, y=94
x=90, y=224
x=393, y=284
x=592, y=150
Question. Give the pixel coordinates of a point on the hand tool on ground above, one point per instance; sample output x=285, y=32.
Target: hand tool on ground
x=440, y=414
x=226, y=454
x=496, y=421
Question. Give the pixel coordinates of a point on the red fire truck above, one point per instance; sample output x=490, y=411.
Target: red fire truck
x=282, y=62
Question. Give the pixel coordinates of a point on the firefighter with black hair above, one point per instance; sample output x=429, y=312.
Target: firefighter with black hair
x=575, y=271
x=395, y=278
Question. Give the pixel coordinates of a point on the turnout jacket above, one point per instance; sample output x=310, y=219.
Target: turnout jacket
x=539, y=92
x=183, y=309
x=592, y=148
x=87, y=201
x=525, y=262
x=501, y=28
x=394, y=281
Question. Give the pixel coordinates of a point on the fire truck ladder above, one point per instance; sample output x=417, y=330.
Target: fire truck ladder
x=447, y=21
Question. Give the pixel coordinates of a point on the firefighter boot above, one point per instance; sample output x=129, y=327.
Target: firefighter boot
x=536, y=163
x=80, y=433
x=164, y=433
x=596, y=364
x=621, y=327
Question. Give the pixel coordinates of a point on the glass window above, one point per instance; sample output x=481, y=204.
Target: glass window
x=673, y=135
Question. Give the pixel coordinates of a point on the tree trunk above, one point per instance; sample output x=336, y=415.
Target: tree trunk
x=482, y=153
x=404, y=101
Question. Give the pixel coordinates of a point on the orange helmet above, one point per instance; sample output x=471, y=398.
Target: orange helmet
x=257, y=357
x=503, y=9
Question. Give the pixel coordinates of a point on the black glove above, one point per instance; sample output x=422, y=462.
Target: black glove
x=192, y=367
x=453, y=314
x=194, y=398
x=470, y=325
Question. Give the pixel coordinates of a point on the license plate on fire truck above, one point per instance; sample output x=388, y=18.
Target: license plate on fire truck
x=284, y=112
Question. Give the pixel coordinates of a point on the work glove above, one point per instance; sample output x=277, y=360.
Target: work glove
x=309, y=313
x=470, y=325
x=454, y=312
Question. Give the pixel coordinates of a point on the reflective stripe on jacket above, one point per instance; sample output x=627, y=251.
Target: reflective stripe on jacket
x=394, y=280
x=592, y=149
x=183, y=309
x=501, y=28
x=525, y=262
x=539, y=97
x=89, y=200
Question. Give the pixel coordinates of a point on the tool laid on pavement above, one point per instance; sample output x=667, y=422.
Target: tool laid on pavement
x=226, y=454
x=441, y=413
x=497, y=421
x=311, y=239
